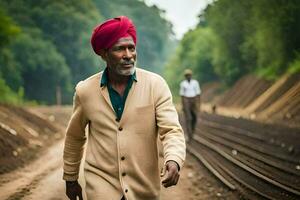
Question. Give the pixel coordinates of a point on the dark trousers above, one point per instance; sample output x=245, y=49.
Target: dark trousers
x=190, y=110
x=123, y=198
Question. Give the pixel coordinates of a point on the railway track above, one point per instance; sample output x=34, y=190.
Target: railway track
x=246, y=160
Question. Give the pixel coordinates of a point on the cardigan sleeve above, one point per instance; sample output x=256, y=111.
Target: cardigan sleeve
x=74, y=141
x=169, y=129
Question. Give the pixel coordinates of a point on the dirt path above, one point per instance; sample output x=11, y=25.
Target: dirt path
x=197, y=183
x=23, y=182
x=42, y=179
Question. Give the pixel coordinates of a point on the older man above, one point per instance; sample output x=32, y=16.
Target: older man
x=126, y=110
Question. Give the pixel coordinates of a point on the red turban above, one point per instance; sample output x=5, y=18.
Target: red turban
x=108, y=33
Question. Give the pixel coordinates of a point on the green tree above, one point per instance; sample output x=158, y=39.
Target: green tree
x=194, y=52
x=54, y=48
x=258, y=36
x=8, y=67
x=234, y=38
x=228, y=19
x=275, y=35
x=42, y=67
x=65, y=26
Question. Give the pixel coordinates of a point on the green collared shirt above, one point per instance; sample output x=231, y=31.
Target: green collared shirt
x=117, y=101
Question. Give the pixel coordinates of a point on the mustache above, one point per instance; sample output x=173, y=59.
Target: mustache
x=129, y=62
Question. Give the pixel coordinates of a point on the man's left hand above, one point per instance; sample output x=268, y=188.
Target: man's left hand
x=172, y=172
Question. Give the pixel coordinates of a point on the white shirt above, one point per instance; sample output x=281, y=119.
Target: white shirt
x=189, y=89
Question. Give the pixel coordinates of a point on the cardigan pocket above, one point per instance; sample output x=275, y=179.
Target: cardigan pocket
x=144, y=119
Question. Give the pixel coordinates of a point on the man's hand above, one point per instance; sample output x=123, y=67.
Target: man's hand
x=172, y=177
x=73, y=190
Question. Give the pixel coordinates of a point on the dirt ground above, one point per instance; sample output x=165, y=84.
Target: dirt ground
x=42, y=177
x=23, y=136
x=197, y=183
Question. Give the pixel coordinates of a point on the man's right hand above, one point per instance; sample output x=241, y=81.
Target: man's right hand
x=73, y=190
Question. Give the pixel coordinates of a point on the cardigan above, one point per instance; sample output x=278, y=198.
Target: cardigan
x=122, y=156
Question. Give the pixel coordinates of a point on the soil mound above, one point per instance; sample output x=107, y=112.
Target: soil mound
x=270, y=96
x=255, y=98
x=247, y=89
x=22, y=135
x=287, y=107
x=209, y=91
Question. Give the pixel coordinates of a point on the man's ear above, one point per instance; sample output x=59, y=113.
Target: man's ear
x=103, y=54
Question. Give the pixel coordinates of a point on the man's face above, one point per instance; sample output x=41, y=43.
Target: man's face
x=121, y=57
x=188, y=77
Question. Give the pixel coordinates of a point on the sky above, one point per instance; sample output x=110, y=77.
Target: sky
x=181, y=13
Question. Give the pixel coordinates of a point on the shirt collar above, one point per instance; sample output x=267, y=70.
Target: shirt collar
x=104, y=79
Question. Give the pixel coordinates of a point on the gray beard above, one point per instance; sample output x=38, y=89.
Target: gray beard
x=127, y=72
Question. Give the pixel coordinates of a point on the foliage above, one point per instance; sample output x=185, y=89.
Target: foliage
x=258, y=36
x=229, y=21
x=9, y=96
x=52, y=48
x=43, y=68
x=8, y=30
x=294, y=67
x=276, y=36
x=66, y=24
x=194, y=52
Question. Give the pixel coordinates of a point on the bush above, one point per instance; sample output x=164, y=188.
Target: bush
x=8, y=96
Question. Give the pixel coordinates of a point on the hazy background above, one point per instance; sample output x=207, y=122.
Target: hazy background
x=45, y=45
x=182, y=14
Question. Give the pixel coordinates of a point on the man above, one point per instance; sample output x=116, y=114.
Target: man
x=190, y=99
x=126, y=109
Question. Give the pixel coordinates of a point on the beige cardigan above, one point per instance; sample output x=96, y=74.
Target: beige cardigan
x=122, y=157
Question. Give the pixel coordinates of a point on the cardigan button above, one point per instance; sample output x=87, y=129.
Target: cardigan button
x=126, y=190
x=120, y=128
x=123, y=174
x=122, y=158
x=117, y=120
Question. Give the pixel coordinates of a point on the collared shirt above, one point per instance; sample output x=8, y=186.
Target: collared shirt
x=189, y=88
x=117, y=101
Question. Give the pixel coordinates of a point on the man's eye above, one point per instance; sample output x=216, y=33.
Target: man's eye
x=117, y=49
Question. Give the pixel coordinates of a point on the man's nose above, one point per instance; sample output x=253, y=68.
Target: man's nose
x=128, y=54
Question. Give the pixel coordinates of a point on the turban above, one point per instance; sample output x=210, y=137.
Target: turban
x=108, y=33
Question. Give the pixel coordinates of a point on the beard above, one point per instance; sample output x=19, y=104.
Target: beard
x=126, y=71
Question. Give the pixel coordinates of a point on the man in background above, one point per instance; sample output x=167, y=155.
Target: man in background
x=190, y=99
